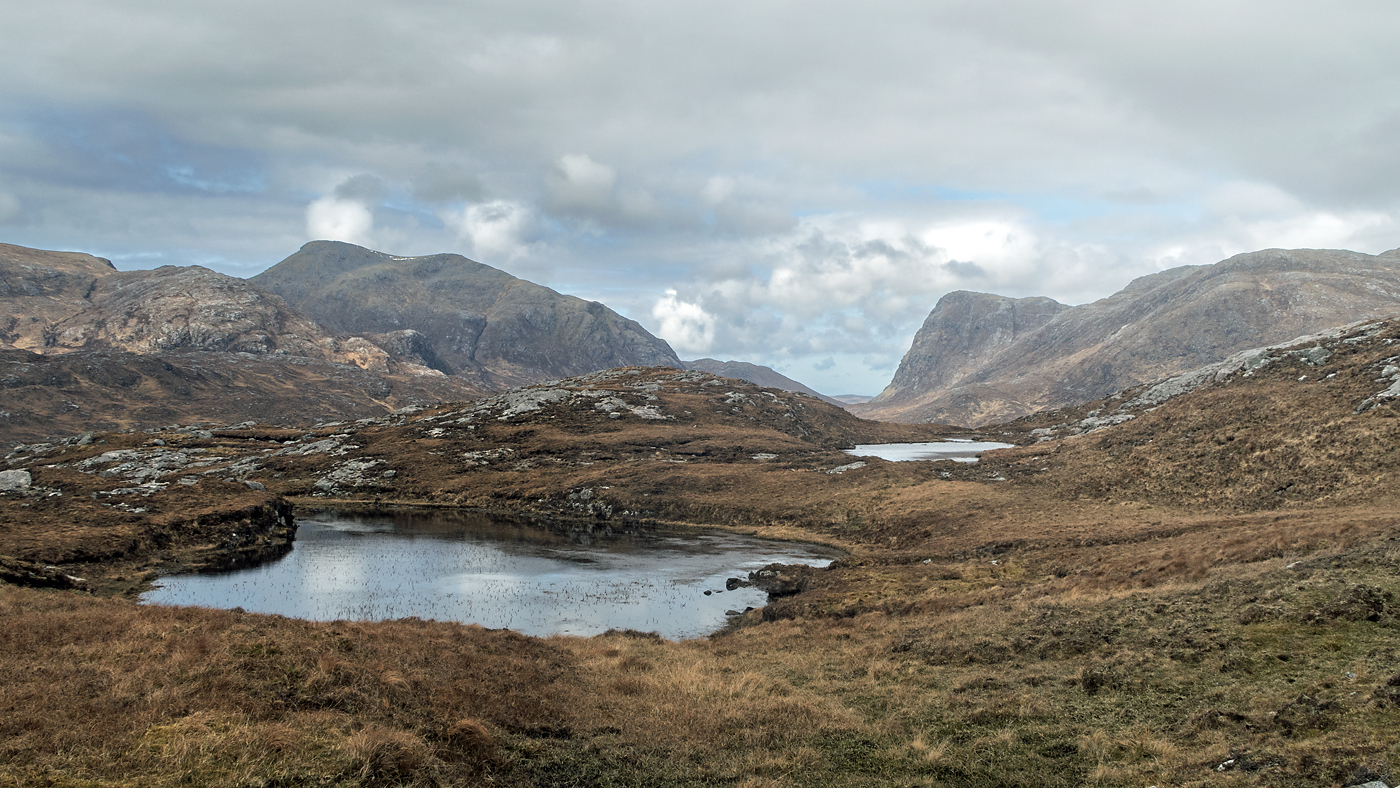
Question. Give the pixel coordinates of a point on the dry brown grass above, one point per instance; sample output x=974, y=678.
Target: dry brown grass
x=1140, y=613
x=170, y=691
x=1025, y=675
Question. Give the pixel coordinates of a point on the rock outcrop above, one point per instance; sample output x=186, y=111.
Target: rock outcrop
x=185, y=308
x=39, y=288
x=981, y=359
x=478, y=323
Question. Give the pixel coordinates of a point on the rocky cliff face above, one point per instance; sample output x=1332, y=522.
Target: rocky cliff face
x=137, y=349
x=961, y=333
x=186, y=308
x=477, y=322
x=39, y=288
x=981, y=359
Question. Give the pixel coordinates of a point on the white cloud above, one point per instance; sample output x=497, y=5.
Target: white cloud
x=333, y=219
x=496, y=230
x=838, y=287
x=1249, y=198
x=688, y=328
x=1244, y=216
x=717, y=189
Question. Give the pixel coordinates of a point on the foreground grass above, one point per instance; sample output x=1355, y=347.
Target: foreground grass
x=1278, y=671
x=1204, y=596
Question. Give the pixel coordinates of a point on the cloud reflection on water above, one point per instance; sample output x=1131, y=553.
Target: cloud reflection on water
x=500, y=575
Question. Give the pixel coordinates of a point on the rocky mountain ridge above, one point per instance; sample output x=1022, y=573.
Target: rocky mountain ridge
x=982, y=358
x=485, y=325
x=386, y=332
x=39, y=288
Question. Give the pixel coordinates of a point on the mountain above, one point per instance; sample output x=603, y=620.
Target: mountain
x=756, y=374
x=185, y=308
x=42, y=396
x=482, y=324
x=38, y=288
x=366, y=332
x=980, y=359
x=86, y=347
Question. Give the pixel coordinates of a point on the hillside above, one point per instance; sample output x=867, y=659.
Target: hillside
x=755, y=374
x=39, y=288
x=1189, y=583
x=486, y=326
x=104, y=390
x=183, y=343
x=980, y=359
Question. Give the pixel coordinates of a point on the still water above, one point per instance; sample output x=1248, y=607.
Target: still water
x=477, y=569
x=958, y=450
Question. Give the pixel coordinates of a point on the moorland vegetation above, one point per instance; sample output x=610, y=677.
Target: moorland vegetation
x=1203, y=594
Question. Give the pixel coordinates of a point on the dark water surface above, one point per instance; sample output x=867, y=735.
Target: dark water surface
x=473, y=568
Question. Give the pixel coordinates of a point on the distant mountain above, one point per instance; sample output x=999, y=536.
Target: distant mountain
x=982, y=358
x=335, y=331
x=185, y=308
x=38, y=288
x=755, y=374
x=44, y=396
x=482, y=324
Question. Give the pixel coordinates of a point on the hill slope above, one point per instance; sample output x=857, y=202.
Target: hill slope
x=980, y=359
x=484, y=324
x=1202, y=594
x=756, y=374
x=39, y=288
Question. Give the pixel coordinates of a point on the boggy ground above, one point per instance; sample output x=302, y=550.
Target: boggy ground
x=1149, y=604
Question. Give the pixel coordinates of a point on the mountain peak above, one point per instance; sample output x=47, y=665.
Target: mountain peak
x=981, y=358
x=490, y=327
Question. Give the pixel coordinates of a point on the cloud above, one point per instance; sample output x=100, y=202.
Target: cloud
x=834, y=287
x=582, y=184
x=445, y=183
x=587, y=191
x=686, y=326
x=797, y=203
x=363, y=188
x=497, y=231
x=334, y=219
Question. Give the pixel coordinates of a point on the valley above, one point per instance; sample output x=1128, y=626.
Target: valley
x=1187, y=581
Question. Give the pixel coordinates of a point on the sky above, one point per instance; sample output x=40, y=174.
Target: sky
x=789, y=184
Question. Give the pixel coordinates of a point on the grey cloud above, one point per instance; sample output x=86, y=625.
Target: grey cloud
x=964, y=270
x=364, y=188
x=441, y=183
x=1116, y=134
